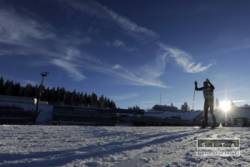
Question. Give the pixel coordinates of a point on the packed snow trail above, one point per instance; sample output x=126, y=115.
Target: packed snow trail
x=25, y=146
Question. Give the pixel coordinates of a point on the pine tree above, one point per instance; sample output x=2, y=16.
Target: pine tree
x=1, y=86
x=55, y=95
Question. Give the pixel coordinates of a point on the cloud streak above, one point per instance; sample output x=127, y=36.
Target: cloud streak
x=69, y=68
x=98, y=10
x=15, y=29
x=125, y=96
x=23, y=36
x=120, y=44
x=140, y=77
x=26, y=36
x=69, y=58
x=183, y=59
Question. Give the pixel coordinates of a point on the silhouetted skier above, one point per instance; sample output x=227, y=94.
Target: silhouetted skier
x=208, y=92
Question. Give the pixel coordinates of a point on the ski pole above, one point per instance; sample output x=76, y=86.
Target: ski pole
x=193, y=100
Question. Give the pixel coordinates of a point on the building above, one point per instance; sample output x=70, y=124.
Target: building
x=73, y=115
x=128, y=116
x=171, y=118
x=239, y=116
x=17, y=110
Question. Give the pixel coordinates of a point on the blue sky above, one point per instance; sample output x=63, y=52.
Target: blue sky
x=130, y=51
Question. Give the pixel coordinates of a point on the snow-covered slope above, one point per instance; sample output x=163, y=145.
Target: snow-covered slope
x=25, y=146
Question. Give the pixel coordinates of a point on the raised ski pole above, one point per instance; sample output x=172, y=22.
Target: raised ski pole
x=195, y=83
x=193, y=101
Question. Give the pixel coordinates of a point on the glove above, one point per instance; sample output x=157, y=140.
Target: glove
x=195, y=83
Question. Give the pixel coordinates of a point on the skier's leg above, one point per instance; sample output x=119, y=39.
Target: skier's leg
x=205, y=112
x=212, y=112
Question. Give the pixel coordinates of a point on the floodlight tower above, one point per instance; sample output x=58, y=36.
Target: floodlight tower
x=43, y=75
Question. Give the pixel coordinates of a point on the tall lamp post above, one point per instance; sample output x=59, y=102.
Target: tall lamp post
x=43, y=75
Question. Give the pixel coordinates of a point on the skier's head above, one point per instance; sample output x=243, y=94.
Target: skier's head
x=205, y=84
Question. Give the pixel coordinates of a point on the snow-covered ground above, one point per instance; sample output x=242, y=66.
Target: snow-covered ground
x=25, y=146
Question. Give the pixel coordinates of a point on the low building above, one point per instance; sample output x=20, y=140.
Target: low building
x=73, y=115
x=172, y=118
x=128, y=116
x=17, y=110
x=240, y=116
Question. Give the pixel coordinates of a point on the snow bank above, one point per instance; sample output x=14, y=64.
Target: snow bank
x=33, y=146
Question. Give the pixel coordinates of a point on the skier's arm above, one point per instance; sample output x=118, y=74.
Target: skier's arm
x=196, y=87
x=212, y=86
x=199, y=89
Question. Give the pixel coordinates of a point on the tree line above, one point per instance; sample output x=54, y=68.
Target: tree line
x=55, y=96
x=171, y=107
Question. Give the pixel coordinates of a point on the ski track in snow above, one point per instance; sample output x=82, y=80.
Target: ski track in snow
x=25, y=146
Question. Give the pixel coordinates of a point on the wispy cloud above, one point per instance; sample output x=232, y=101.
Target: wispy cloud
x=24, y=36
x=27, y=35
x=117, y=43
x=125, y=96
x=127, y=24
x=69, y=65
x=70, y=68
x=98, y=10
x=116, y=67
x=130, y=76
x=15, y=29
x=183, y=59
x=140, y=77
